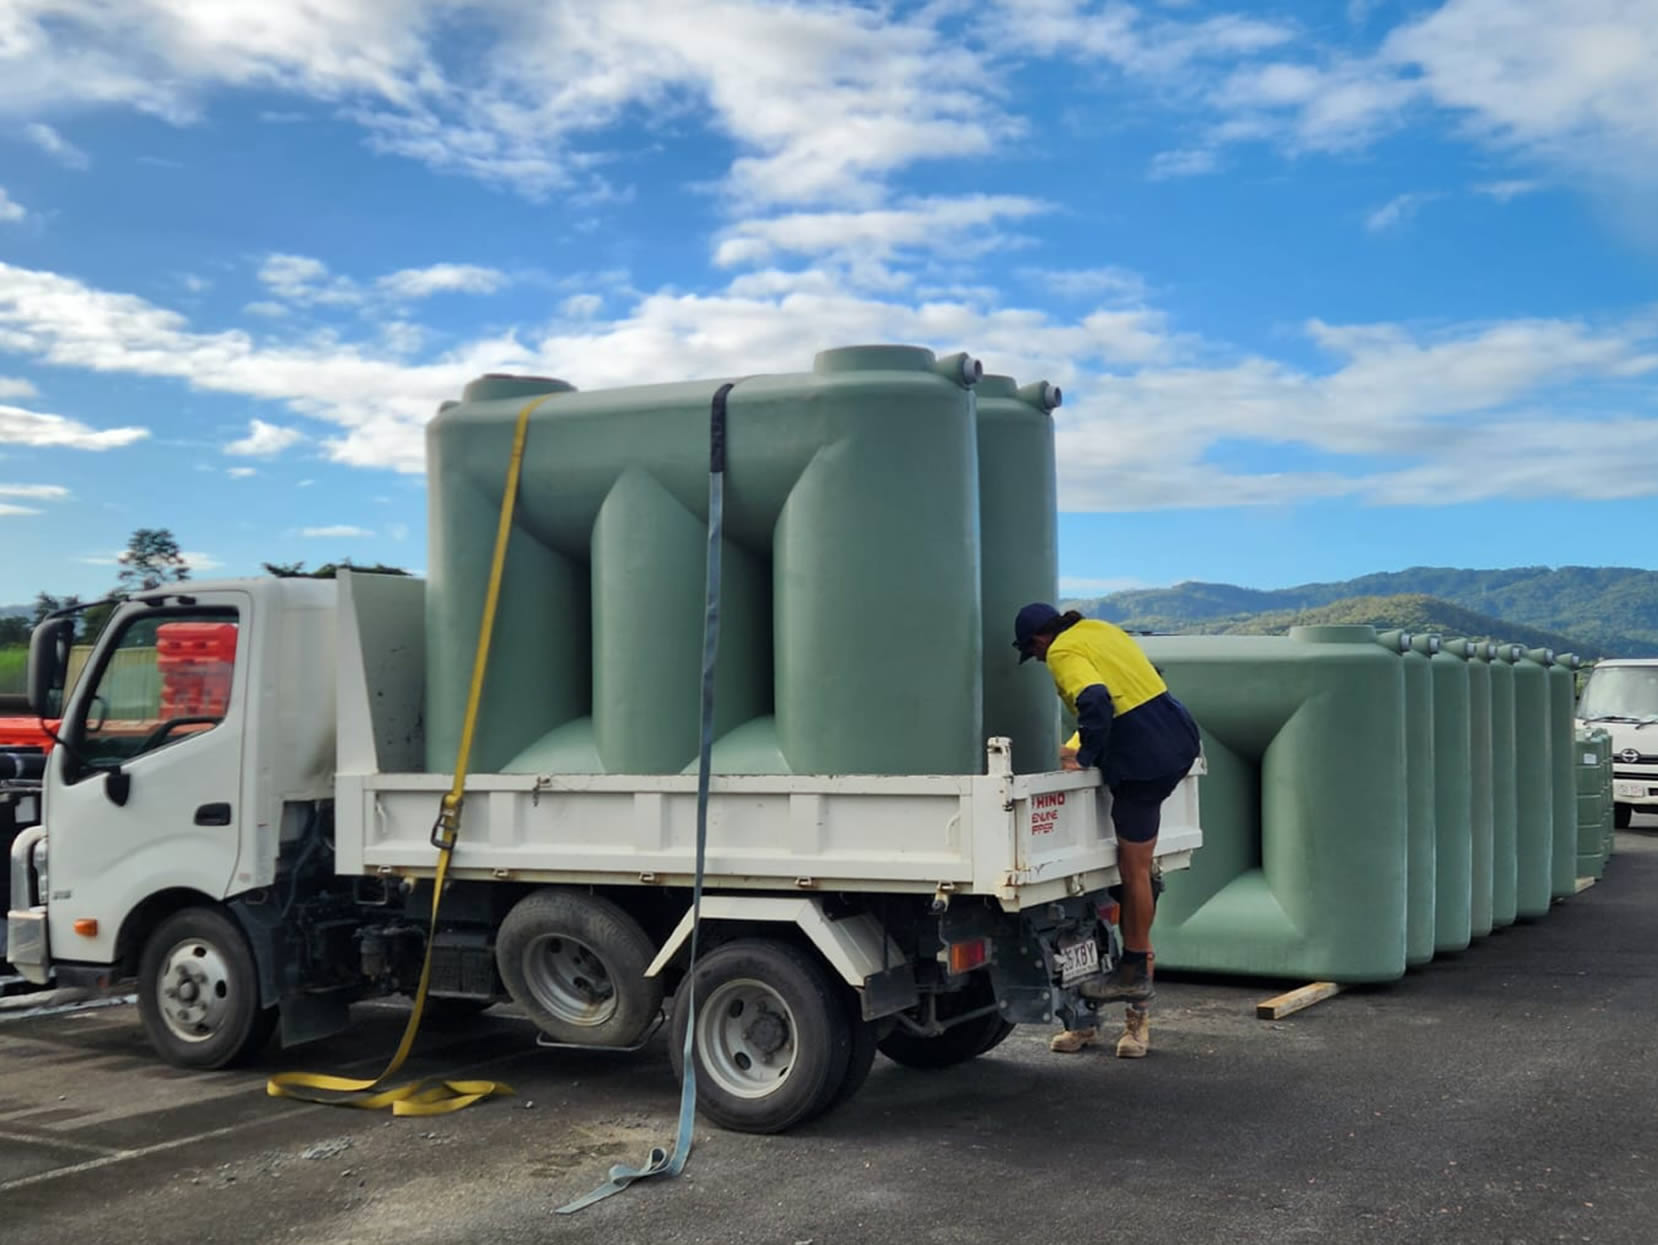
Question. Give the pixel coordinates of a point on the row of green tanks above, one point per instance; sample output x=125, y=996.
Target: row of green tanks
x=1372, y=800
x=886, y=513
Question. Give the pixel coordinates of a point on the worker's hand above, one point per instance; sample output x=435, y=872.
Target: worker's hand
x=1068, y=759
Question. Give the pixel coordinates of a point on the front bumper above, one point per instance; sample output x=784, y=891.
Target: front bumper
x=1637, y=788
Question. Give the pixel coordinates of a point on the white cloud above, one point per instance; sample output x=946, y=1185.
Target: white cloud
x=1097, y=587
x=866, y=242
x=1505, y=190
x=1110, y=283
x=1397, y=210
x=40, y=430
x=412, y=283
x=16, y=387
x=304, y=280
x=56, y=145
x=398, y=531
x=1144, y=403
x=8, y=510
x=195, y=561
x=240, y=473
x=11, y=211
x=264, y=440
x=1184, y=162
x=35, y=492
x=305, y=484
x=338, y=531
x=264, y=307
x=195, y=284
x=581, y=306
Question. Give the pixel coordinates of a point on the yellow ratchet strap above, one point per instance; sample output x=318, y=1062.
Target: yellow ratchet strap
x=433, y=1095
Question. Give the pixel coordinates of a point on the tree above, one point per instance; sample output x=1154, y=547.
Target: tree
x=46, y=603
x=296, y=570
x=151, y=558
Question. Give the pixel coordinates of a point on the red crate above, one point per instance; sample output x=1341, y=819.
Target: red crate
x=181, y=644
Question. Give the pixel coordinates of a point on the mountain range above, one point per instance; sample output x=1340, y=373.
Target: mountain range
x=1591, y=610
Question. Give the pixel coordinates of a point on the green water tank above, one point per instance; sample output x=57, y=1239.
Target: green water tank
x=1504, y=788
x=852, y=636
x=1418, y=725
x=1591, y=805
x=1534, y=783
x=1562, y=675
x=1479, y=782
x=1603, y=743
x=1453, y=798
x=1303, y=868
x=1018, y=516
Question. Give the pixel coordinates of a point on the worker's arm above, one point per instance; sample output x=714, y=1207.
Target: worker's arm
x=1079, y=684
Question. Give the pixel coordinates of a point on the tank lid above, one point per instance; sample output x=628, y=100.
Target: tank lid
x=1427, y=645
x=1542, y=656
x=492, y=386
x=1570, y=660
x=873, y=359
x=1469, y=650
x=1039, y=393
x=1332, y=634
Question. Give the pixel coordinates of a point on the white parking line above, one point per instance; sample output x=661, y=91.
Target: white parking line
x=109, y=1158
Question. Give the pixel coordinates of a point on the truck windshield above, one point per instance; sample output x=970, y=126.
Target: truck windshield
x=1627, y=692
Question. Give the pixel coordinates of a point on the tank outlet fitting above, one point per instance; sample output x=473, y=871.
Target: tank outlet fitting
x=1041, y=394
x=961, y=367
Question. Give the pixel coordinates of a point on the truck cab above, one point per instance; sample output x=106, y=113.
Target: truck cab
x=1621, y=698
x=194, y=737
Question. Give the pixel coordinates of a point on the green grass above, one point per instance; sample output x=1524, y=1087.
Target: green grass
x=14, y=664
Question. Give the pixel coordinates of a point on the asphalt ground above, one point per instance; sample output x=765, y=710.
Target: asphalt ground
x=1506, y=1094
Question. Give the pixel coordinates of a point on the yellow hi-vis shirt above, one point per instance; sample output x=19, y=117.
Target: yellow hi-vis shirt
x=1093, y=652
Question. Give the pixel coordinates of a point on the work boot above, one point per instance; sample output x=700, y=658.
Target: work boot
x=1130, y=982
x=1136, y=1038
x=1070, y=1041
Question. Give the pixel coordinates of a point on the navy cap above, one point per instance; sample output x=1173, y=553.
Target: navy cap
x=1033, y=618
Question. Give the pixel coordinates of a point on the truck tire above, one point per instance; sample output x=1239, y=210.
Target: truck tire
x=773, y=1042
x=957, y=1044
x=1622, y=814
x=198, y=992
x=576, y=964
x=862, y=1056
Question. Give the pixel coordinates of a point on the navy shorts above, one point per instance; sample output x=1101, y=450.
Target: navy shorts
x=1137, y=807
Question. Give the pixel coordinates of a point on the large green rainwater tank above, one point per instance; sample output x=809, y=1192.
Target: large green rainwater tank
x=1563, y=775
x=1534, y=782
x=1418, y=724
x=1504, y=787
x=1303, y=868
x=1479, y=780
x=1018, y=516
x=1591, y=804
x=1453, y=799
x=852, y=631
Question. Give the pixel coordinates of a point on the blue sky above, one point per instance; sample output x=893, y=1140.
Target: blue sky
x=1330, y=287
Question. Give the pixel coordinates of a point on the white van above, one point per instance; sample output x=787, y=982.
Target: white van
x=1621, y=698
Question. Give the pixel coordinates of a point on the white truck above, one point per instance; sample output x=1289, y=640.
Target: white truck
x=252, y=845
x=1621, y=697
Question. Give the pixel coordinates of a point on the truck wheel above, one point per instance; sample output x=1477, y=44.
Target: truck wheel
x=772, y=1042
x=957, y=1044
x=997, y=1037
x=862, y=1057
x=198, y=992
x=576, y=964
x=1622, y=814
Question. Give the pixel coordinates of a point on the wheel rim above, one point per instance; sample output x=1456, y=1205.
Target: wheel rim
x=567, y=977
x=746, y=1037
x=194, y=990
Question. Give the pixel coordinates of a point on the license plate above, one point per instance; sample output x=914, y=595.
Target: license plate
x=1078, y=960
x=1630, y=790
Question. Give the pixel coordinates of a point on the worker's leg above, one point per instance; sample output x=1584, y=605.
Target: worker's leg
x=1136, y=811
x=1134, y=863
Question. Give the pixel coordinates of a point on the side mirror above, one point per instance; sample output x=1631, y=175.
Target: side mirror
x=48, y=663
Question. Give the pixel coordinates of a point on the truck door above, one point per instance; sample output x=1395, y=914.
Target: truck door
x=165, y=701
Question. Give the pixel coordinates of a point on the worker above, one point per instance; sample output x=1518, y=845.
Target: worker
x=1143, y=742
x=1134, y=1042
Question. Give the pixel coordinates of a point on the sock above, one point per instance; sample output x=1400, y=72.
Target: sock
x=1136, y=957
